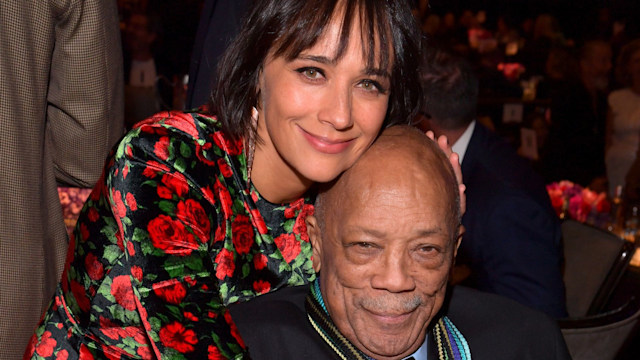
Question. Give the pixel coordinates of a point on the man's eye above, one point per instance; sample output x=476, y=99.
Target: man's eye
x=364, y=245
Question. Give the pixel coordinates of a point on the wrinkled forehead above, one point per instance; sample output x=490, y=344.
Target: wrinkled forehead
x=367, y=20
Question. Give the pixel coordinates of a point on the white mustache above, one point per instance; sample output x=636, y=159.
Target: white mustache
x=390, y=304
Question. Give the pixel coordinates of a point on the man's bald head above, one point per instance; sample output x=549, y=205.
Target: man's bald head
x=399, y=153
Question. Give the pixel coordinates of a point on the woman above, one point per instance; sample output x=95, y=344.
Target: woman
x=623, y=121
x=197, y=211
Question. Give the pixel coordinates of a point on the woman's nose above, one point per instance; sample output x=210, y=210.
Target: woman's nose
x=337, y=108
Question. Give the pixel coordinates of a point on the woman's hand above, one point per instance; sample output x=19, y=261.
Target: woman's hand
x=454, y=159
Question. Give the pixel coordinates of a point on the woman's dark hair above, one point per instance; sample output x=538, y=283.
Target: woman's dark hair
x=288, y=27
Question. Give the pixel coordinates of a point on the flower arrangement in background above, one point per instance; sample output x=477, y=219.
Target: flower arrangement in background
x=579, y=203
x=511, y=71
x=72, y=199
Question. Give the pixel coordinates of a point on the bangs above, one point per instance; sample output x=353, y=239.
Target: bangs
x=303, y=28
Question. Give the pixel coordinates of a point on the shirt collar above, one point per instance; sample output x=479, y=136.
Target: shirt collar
x=460, y=146
x=421, y=353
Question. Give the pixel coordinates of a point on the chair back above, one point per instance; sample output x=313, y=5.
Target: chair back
x=595, y=260
x=603, y=336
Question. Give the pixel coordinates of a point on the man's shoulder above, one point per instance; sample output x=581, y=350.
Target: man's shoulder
x=499, y=328
x=275, y=326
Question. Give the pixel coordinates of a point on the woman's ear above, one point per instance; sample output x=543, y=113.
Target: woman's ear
x=315, y=236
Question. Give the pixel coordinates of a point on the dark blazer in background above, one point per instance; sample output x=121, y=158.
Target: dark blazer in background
x=275, y=326
x=219, y=23
x=512, y=241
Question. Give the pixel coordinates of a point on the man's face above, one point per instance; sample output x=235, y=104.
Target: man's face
x=384, y=257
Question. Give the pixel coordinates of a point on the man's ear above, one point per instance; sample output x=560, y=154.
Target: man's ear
x=315, y=236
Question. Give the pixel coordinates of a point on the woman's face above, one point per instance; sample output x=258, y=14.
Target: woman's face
x=316, y=114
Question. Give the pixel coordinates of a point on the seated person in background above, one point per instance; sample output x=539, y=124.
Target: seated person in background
x=512, y=235
x=384, y=241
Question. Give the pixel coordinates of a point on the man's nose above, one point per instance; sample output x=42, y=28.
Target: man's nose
x=394, y=275
x=337, y=108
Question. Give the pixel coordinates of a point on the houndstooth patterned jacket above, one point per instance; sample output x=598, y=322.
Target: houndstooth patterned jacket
x=61, y=109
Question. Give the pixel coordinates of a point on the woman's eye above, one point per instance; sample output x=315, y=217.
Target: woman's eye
x=311, y=73
x=370, y=85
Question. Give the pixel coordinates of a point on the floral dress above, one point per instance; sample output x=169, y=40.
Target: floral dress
x=169, y=236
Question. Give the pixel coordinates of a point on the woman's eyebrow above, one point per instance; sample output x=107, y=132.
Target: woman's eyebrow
x=325, y=60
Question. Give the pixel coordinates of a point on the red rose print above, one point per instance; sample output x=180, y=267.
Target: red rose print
x=85, y=354
x=128, y=150
x=182, y=121
x=93, y=214
x=225, y=265
x=62, y=355
x=144, y=352
x=288, y=246
x=130, y=249
x=118, y=205
x=171, y=291
x=260, y=261
x=80, y=295
x=291, y=210
x=225, y=169
x=192, y=213
x=261, y=286
x=189, y=316
x=234, y=329
x=109, y=329
x=161, y=148
x=174, y=183
x=153, y=167
x=84, y=232
x=171, y=236
x=125, y=171
x=46, y=345
x=131, y=202
x=224, y=197
x=242, y=234
x=136, y=272
x=94, y=267
x=300, y=227
x=208, y=194
x=258, y=221
x=200, y=153
x=177, y=337
x=214, y=353
x=221, y=232
x=122, y=291
x=229, y=146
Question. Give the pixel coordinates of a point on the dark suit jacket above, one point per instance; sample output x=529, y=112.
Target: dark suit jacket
x=275, y=326
x=512, y=238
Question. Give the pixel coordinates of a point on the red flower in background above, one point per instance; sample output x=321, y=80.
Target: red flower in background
x=177, y=337
x=171, y=291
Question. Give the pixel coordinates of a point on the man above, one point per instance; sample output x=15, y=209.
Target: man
x=61, y=99
x=575, y=147
x=512, y=235
x=384, y=240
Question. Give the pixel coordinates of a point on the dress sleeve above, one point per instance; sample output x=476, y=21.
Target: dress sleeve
x=166, y=223
x=85, y=98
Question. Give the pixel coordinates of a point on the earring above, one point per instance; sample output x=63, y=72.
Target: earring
x=250, y=146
